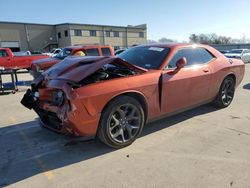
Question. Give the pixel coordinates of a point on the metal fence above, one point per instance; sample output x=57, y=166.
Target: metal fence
x=231, y=46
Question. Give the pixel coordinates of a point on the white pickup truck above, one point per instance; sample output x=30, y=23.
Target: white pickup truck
x=53, y=52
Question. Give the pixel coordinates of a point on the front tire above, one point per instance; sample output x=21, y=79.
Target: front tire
x=226, y=93
x=121, y=122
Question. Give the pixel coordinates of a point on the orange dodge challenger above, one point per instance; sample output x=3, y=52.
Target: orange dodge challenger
x=113, y=97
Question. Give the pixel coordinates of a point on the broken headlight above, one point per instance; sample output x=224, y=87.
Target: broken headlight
x=57, y=97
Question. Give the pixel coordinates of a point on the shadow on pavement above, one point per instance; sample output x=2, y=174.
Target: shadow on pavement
x=246, y=86
x=27, y=149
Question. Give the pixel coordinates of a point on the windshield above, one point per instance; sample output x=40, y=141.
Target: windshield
x=145, y=56
x=236, y=51
x=65, y=52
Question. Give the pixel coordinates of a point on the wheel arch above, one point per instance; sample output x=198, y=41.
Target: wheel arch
x=140, y=97
x=232, y=75
x=218, y=101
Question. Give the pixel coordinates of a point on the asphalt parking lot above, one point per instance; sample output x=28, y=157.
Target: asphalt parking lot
x=203, y=147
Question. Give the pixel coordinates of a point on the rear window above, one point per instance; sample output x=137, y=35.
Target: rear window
x=3, y=53
x=106, y=52
x=92, y=52
x=65, y=52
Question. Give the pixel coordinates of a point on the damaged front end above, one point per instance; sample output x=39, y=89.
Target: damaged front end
x=51, y=105
x=54, y=98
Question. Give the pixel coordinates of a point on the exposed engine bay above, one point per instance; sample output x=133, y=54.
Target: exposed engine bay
x=78, y=72
x=108, y=72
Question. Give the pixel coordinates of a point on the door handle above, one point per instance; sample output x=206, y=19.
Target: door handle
x=205, y=70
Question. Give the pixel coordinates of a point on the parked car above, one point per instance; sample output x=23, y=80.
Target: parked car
x=36, y=52
x=40, y=66
x=224, y=51
x=113, y=97
x=8, y=60
x=243, y=54
x=53, y=52
x=117, y=52
x=21, y=53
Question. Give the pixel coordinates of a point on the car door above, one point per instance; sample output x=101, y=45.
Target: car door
x=5, y=60
x=190, y=85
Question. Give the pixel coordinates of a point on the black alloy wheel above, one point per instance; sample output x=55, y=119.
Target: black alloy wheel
x=121, y=122
x=226, y=93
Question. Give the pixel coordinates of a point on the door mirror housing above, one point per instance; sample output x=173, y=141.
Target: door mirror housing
x=181, y=63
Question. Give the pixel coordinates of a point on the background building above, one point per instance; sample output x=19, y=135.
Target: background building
x=44, y=37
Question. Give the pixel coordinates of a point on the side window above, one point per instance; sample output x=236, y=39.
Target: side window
x=106, y=52
x=194, y=56
x=59, y=35
x=78, y=32
x=181, y=53
x=141, y=34
x=92, y=33
x=201, y=56
x=107, y=33
x=3, y=53
x=92, y=52
x=116, y=33
x=66, y=33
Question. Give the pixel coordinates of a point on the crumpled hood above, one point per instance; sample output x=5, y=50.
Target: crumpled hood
x=46, y=60
x=77, y=68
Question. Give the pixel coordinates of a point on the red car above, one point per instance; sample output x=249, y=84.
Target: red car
x=9, y=61
x=113, y=97
x=40, y=66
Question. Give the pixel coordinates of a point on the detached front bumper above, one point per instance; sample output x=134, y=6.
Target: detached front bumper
x=70, y=118
x=49, y=119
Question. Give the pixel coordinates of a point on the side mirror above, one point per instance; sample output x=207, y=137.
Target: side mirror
x=181, y=63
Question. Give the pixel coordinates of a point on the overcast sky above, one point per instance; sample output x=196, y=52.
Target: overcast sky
x=175, y=19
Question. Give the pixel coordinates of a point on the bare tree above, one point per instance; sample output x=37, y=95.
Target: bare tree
x=149, y=41
x=166, y=40
x=209, y=39
x=194, y=38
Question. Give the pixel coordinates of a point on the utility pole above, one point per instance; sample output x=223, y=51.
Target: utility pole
x=103, y=32
x=27, y=36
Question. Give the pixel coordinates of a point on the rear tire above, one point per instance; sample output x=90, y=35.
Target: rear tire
x=226, y=93
x=121, y=122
